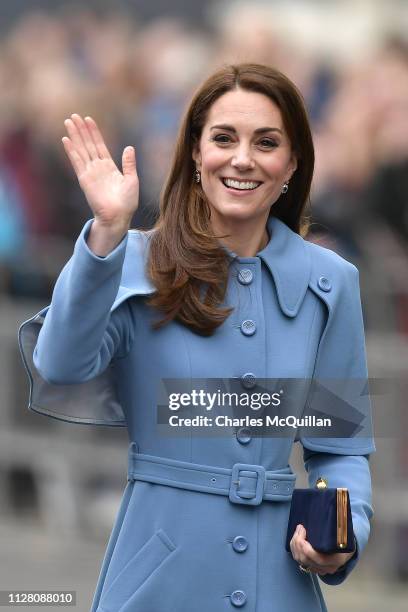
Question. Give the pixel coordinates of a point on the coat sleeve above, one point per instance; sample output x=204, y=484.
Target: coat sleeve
x=353, y=472
x=80, y=336
x=341, y=357
x=70, y=348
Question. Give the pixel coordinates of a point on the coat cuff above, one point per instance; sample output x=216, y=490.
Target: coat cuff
x=352, y=472
x=342, y=573
x=82, y=245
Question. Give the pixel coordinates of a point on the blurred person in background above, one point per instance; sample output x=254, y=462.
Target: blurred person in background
x=224, y=285
x=52, y=63
x=160, y=46
x=360, y=189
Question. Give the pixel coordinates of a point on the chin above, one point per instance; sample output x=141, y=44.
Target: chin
x=236, y=212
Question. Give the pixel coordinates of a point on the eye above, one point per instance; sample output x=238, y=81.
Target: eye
x=268, y=142
x=218, y=138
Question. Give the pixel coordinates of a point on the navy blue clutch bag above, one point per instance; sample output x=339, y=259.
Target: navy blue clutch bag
x=326, y=515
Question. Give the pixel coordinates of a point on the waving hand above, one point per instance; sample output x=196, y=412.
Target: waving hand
x=113, y=195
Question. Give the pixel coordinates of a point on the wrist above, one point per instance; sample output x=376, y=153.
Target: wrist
x=113, y=227
x=104, y=238
x=350, y=556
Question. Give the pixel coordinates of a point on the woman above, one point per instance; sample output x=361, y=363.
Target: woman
x=224, y=286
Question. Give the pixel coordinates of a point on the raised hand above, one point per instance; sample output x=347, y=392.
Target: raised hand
x=112, y=195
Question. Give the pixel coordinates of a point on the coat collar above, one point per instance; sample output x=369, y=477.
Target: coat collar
x=286, y=257
x=288, y=260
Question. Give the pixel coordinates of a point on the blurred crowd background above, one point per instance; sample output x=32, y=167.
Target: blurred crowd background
x=133, y=67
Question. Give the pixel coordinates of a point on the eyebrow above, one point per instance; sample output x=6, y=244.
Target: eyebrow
x=261, y=130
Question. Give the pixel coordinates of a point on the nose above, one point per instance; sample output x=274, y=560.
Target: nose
x=242, y=159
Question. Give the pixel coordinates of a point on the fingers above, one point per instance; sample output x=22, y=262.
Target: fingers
x=129, y=162
x=76, y=140
x=86, y=138
x=85, y=135
x=97, y=138
x=313, y=558
x=304, y=553
x=296, y=546
x=301, y=553
x=76, y=160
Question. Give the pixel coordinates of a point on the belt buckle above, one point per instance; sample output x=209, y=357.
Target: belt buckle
x=257, y=497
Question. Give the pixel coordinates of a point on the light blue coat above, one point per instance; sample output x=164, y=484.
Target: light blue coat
x=97, y=361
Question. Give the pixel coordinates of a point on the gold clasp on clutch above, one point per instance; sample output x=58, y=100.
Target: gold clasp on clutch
x=341, y=517
x=321, y=483
x=341, y=501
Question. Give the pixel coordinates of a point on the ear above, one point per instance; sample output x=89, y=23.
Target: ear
x=292, y=165
x=196, y=155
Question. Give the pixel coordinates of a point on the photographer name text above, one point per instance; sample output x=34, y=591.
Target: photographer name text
x=247, y=421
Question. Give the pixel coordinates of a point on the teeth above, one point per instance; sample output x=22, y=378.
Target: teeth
x=240, y=184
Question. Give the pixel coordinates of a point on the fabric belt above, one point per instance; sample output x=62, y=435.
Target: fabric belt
x=245, y=483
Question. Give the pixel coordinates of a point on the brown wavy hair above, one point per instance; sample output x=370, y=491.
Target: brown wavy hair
x=186, y=262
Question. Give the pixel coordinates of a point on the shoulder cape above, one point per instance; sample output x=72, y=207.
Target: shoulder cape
x=296, y=266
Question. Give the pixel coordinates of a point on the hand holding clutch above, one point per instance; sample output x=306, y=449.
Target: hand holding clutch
x=311, y=560
x=322, y=515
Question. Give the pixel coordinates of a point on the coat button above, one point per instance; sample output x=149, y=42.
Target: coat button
x=240, y=544
x=244, y=435
x=238, y=598
x=248, y=380
x=324, y=283
x=245, y=276
x=248, y=327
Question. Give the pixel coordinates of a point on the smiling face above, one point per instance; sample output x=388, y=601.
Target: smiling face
x=244, y=156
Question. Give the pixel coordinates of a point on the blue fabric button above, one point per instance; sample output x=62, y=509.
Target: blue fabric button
x=324, y=283
x=244, y=435
x=248, y=380
x=238, y=598
x=240, y=544
x=248, y=327
x=245, y=276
